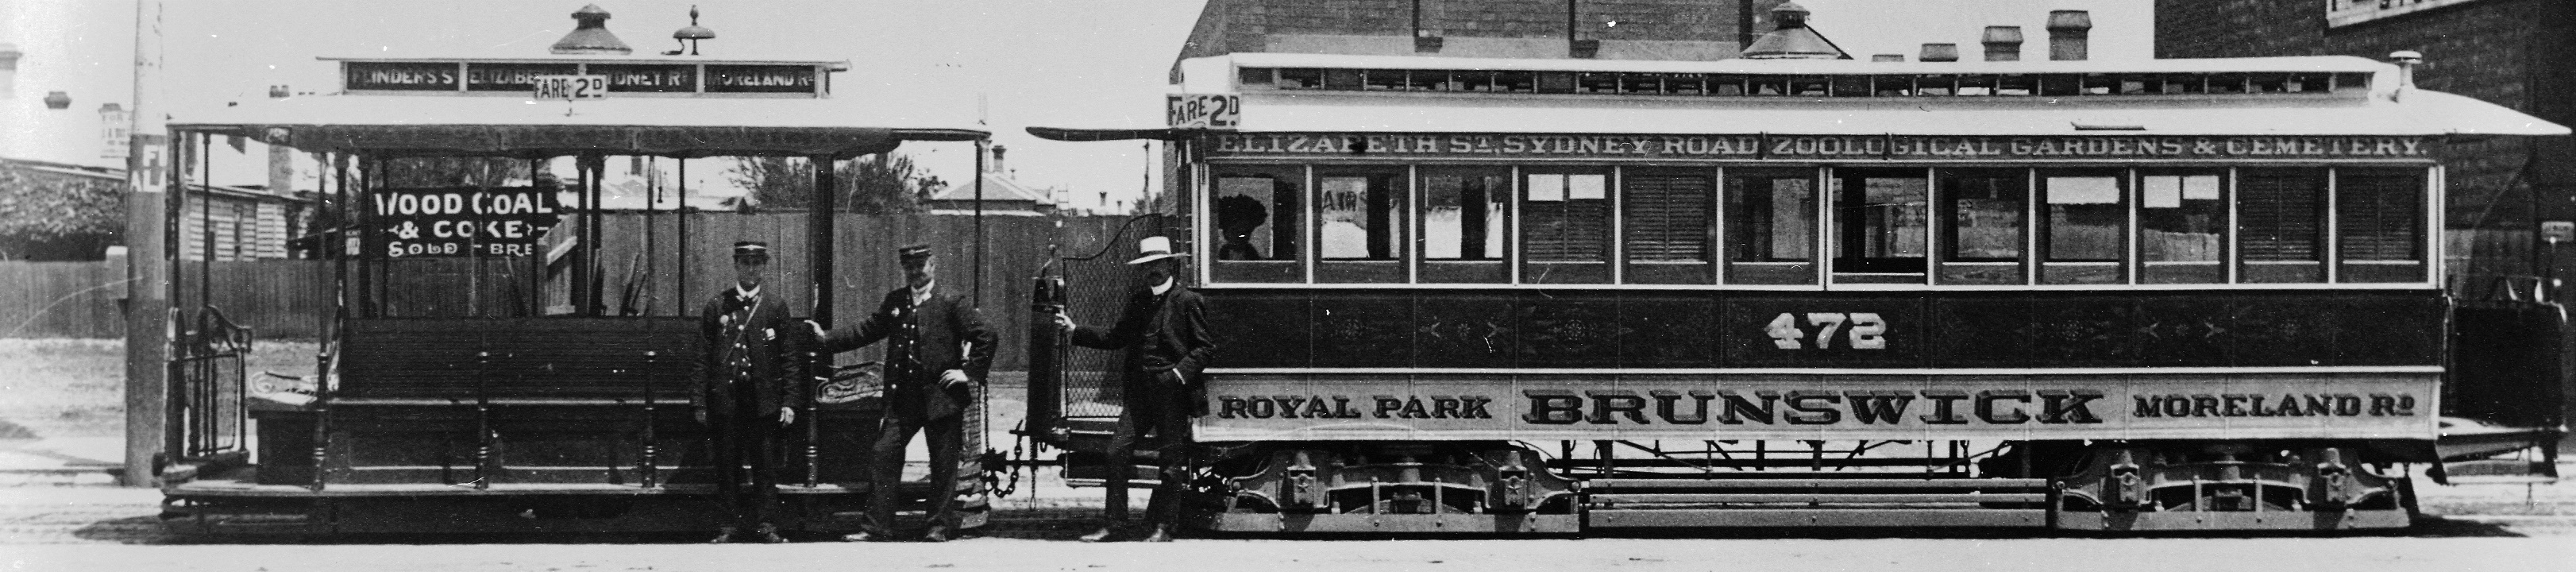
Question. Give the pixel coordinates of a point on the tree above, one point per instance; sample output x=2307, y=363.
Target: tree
x=424, y=172
x=884, y=183
x=48, y=215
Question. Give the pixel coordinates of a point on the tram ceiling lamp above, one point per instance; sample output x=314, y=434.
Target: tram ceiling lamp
x=688, y=37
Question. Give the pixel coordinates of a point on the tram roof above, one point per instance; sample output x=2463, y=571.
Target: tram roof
x=683, y=127
x=2383, y=110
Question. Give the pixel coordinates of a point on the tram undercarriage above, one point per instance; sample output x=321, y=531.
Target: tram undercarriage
x=1494, y=487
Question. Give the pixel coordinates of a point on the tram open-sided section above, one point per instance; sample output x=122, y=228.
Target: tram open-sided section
x=506, y=348
x=1555, y=295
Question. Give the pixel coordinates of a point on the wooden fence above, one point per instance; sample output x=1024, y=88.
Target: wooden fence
x=291, y=299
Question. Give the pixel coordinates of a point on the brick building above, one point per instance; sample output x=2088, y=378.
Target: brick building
x=1602, y=29
x=2516, y=53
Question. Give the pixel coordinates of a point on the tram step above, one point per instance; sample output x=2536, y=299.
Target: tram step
x=1912, y=484
x=1624, y=500
x=1822, y=518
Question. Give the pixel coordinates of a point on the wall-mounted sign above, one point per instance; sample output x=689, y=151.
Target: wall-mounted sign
x=572, y=87
x=1203, y=111
x=400, y=76
x=2348, y=12
x=463, y=221
x=1816, y=147
x=760, y=79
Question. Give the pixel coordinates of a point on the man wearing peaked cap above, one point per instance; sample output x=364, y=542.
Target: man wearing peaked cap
x=749, y=393
x=1165, y=333
x=936, y=345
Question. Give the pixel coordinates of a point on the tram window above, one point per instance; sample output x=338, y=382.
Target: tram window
x=1685, y=84
x=1427, y=80
x=2182, y=83
x=1301, y=78
x=1936, y=84
x=1383, y=80
x=1851, y=86
x=2016, y=84
x=2279, y=223
x=1982, y=235
x=1892, y=85
x=2351, y=82
x=1342, y=79
x=1597, y=83
x=1359, y=225
x=1515, y=81
x=1471, y=80
x=1565, y=227
x=2268, y=83
x=1811, y=85
x=2101, y=84
x=2133, y=85
x=2061, y=84
x=1726, y=85
x=2084, y=224
x=2182, y=227
x=1256, y=230
x=1664, y=220
x=1253, y=77
x=1646, y=83
x=2228, y=83
x=1880, y=218
x=2379, y=216
x=1464, y=222
x=2310, y=82
x=1766, y=85
x=1976, y=85
x=1556, y=82
x=1770, y=226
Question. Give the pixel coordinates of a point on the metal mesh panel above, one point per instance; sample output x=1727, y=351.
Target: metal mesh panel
x=1097, y=281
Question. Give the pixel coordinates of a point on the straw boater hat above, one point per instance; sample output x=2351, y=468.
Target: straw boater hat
x=1155, y=248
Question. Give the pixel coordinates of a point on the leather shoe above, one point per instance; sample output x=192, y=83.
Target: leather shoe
x=1161, y=534
x=937, y=534
x=863, y=537
x=768, y=535
x=1105, y=534
x=723, y=535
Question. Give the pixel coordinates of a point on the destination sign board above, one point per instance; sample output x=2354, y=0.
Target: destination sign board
x=400, y=76
x=760, y=79
x=463, y=221
x=1250, y=407
x=520, y=78
x=1815, y=147
x=512, y=77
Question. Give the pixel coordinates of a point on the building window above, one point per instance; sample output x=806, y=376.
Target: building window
x=1665, y=223
x=1771, y=226
x=1565, y=229
x=2182, y=227
x=2280, y=216
x=1982, y=238
x=1256, y=232
x=2084, y=234
x=1881, y=217
x=2379, y=222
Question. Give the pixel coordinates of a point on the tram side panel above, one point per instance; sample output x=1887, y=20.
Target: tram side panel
x=2216, y=398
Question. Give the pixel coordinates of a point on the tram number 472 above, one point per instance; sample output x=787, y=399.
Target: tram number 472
x=1860, y=330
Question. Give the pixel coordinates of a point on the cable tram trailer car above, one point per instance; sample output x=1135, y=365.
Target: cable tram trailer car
x=510, y=339
x=1559, y=295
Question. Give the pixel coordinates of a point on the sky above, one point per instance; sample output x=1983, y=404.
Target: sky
x=1075, y=63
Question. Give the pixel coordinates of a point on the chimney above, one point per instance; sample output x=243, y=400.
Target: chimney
x=1887, y=58
x=1940, y=53
x=590, y=35
x=996, y=167
x=2003, y=43
x=2068, y=31
x=9, y=70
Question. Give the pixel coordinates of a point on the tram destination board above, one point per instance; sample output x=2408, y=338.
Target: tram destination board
x=463, y=221
x=1775, y=146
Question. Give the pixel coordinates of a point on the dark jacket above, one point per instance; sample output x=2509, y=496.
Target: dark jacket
x=942, y=334
x=1166, y=333
x=754, y=354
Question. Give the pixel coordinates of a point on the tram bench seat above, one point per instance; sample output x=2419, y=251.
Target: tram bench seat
x=520, y=358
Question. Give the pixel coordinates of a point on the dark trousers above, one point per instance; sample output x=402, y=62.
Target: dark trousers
x=1160, y=408
x=746, y=437
x=945, y=437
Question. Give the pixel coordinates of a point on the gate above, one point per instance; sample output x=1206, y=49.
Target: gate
x=208, y=372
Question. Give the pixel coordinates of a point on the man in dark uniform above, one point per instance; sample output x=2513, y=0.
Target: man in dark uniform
x=749, y=393
x=1165, y=332
x=936, y=344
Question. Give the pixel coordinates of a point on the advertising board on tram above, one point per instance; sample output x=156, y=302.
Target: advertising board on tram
x=464, y=221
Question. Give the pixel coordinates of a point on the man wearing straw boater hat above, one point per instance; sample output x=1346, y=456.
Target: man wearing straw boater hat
x=936, y=344
x=748, y=397
x=1165, y=332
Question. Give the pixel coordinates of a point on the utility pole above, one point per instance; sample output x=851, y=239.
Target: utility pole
x=147, y=309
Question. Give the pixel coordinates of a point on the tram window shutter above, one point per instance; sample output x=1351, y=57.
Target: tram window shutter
x=2378, y=214
x=1565, y=225
x=1666, y=218
x=2279, y=214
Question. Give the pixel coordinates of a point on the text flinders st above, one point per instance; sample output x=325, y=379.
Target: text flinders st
x=1699, y=407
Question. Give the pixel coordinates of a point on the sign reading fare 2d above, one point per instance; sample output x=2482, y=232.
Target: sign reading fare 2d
x=572, y=86
x=463, y=221
x=1203, y=111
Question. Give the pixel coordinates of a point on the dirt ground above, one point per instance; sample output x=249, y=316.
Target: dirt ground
x=60, y=388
